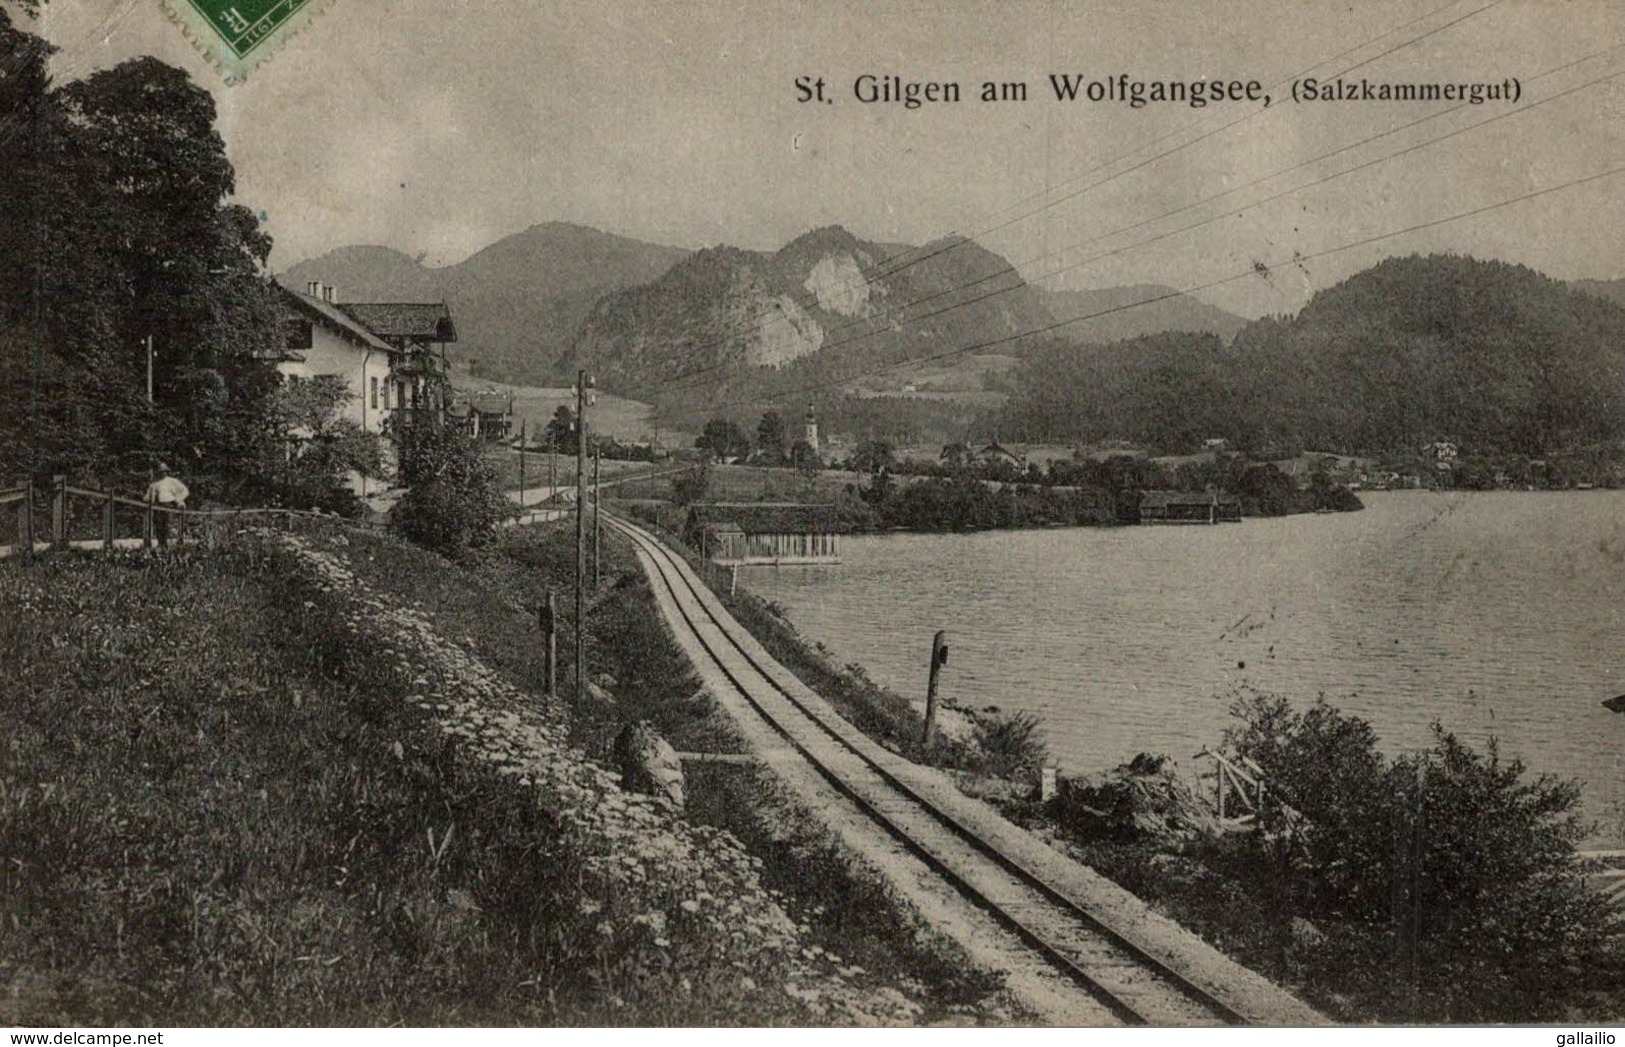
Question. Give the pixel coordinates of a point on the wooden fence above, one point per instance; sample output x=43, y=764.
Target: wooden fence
x=59, y=516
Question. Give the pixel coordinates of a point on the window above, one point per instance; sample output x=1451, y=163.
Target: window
x=375, y=394
x=400, y=394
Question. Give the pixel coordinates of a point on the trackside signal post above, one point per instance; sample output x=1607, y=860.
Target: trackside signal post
x=939, y=658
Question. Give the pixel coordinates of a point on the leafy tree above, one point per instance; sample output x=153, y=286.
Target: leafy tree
x=803, y=457
x=562, y=436
x=1452, y=874
x=116, y=229
x=323, y=449
x=692, y=485
x=723, y=439
x=872, y=456
x=770, y=439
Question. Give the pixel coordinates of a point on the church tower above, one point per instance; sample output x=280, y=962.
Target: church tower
x=812, y=430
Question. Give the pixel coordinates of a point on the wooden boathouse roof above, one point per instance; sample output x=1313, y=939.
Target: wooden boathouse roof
x=766, y=517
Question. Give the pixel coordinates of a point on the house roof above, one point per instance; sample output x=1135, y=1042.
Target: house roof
x=484, y=401
x=1168, y=499
x=995, y=449
x=767, y=517
x=411, y=321
x=301, y=305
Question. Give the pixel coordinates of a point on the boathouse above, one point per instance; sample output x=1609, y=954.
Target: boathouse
x=743, y=533
x=1189, y=507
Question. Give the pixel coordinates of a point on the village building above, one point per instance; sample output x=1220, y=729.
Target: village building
x=389, y=357
x=486, y=415
x=420, y=330
x=774, y=533
x=323, y=340
x=1189, y=507
x=995, y=452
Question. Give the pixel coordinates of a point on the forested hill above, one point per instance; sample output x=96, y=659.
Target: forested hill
x=1494, y=356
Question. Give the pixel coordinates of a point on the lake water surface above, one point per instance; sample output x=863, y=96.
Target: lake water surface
x=1496, y=614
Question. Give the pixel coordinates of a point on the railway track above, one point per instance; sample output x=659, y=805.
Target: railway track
x=1065, y=923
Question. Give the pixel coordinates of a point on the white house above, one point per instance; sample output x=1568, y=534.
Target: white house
x=325, y=340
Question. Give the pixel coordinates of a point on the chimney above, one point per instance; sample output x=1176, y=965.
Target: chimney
x=314, y=288
x=330, y=294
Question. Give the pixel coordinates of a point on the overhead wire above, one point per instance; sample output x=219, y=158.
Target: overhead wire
x=1014, y=271
x=871, y=274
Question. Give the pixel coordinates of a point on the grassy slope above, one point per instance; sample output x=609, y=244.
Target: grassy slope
x=202, y=824
x=844, y=909
x=189, y=836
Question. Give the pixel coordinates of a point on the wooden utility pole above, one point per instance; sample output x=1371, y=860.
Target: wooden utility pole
x=581, y=537
x=149, y=368
x=597, y=526
x=939, y=657
x=550, y=638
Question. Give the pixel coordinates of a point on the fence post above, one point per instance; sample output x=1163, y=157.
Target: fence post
x=59, y=513
x=146, y=526
x=107, y=523
x=25, y=519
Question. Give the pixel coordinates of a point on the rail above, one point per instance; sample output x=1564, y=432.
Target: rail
x=1141, y=982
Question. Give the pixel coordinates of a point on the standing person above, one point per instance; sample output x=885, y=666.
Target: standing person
x=166, y=490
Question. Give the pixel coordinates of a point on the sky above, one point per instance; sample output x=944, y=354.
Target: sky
x=437, y=127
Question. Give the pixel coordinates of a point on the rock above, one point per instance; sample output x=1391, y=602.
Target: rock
x=606, y=681
x=1306, y=935
x=1142, y=799
x=648, y=763
x=598, y=694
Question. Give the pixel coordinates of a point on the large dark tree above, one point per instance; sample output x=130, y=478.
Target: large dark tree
x=121, y=229
x=724, y=439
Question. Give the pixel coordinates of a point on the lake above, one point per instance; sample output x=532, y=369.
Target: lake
x=1496, y=614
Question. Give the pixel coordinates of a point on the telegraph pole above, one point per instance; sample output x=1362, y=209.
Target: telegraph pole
x=521, y=467
x=149, y=368
x=597, y=526
x=581, y=537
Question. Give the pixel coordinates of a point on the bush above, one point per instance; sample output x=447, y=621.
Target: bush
x=1010, y=744
x=1452, y=873
x=455, y=502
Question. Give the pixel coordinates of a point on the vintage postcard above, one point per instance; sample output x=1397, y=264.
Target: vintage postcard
x=899, y=514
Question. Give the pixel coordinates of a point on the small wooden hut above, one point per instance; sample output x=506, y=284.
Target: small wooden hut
x=1189, y=507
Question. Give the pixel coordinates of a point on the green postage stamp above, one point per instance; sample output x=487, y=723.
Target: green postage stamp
x=238, y=35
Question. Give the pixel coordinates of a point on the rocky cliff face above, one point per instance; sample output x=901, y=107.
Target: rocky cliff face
x=824, y=303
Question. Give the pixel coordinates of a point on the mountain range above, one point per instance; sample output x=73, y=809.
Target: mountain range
x=532, y=307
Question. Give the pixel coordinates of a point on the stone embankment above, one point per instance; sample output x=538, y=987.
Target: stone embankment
x=675, y=887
